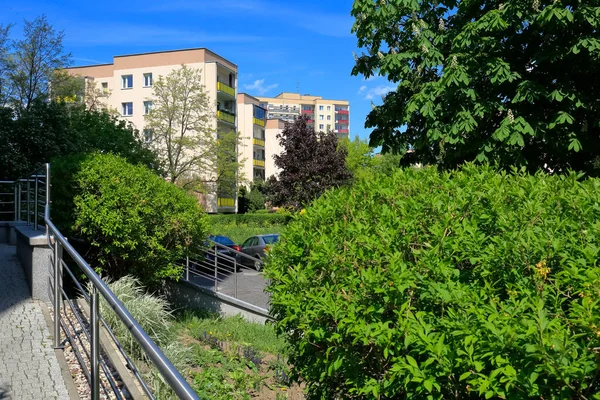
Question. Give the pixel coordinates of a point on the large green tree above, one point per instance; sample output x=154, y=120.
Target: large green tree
x=504, y=81
x=195, y=153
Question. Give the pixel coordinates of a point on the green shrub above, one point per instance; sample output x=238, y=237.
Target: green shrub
x=136, y=222
x=258, y=219
x=471, y=284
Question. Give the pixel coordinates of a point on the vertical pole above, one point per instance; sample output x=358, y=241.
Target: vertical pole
x=216, y=269
x=35, y=205
x=235, y=274
x=95, y=346
x=57, y=289
x=19, y=205
x=15, y=202
x=28, y=201
x=47, y=206
x=187, y=268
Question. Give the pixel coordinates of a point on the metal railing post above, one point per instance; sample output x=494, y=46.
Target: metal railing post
x=187, y=268
x=216, y=269
x=47, y=205
x=28, y=201
x=95, y=346
x=19, y=205
x=35, y=205
x=235, y=275
x=57, y=291
x=15, y=203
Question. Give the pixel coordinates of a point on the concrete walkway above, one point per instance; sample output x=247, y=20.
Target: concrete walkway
x=29, y=368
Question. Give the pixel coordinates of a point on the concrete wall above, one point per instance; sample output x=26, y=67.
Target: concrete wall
x=35, y=257
x=8, y=234
x=187, y=295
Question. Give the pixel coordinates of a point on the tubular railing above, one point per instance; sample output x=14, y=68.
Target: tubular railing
x=32, y=194
x=24, y=199
x=229, y=272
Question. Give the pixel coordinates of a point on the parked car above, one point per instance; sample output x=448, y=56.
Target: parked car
x=255, y=247
x=226, y=244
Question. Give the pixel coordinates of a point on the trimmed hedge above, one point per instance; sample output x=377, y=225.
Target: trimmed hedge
x=426, y=285
x=258, y=219
x=135, y=222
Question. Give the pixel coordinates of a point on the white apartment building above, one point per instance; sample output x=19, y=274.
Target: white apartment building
x=251, y=125
x=127, y=83
x=324, y=115
x=272, y=147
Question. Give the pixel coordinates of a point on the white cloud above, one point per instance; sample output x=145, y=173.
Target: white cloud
x=259, y=87
x=379, y=91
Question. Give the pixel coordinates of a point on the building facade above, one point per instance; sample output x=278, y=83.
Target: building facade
x=324, y=115
x=127, y=86
x=272, y=147
x=251, y=124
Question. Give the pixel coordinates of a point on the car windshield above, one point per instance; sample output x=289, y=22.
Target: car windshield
x=224, y=240
x=270, y=239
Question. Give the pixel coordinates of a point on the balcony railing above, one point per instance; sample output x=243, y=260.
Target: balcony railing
x=258, y=142
x=310, y=121
x=308, y=111
x=225, y=202
x=259, y=122
x=346, y=112
x=225, y=89
x=225, y=116
x=341, y=131
x=259, y=163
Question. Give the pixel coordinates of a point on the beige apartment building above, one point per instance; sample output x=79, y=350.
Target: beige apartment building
x=324, y=115
x=272, y=147
x=251, y=125
x=127, y=84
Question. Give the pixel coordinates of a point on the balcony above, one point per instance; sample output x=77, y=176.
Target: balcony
x=343, y=112
x=259, y=163
x=221, y=87
x=226, y=116
x=310, y=121
x=225, y=202
x=258, y=142
x=259, y=122
x=341, y=131
x=308, y=111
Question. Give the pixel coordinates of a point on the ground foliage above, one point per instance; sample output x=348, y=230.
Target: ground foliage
x=470, y=284
x=511, y=82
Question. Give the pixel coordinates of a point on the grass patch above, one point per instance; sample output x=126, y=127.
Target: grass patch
x=260, y=337
x=239, y=233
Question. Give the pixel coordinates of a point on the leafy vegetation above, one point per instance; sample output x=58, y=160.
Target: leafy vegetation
x=310, y=164
x=362, y=161
x=427, y=285
x=135, y=222
x=240, y=227
x=509, y=82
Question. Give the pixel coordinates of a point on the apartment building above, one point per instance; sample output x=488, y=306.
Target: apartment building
x=324, y=115
x=127, y=84
x=251, y=125
x=272, y=147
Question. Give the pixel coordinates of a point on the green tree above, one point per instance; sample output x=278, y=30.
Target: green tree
x=4, y=64
x=310, y=164
x=33, y=60
x=362, y=160
x=508, y=82
x=182, y=122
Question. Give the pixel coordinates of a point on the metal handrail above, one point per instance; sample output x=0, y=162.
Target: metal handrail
x=58, y=243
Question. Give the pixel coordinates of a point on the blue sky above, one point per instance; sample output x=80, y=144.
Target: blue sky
x=277, y=45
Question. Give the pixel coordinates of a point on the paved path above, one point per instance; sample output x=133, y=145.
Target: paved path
x=28, y=365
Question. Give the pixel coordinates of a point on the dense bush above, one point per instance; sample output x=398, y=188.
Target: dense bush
x=50, y=130
x=469, y=284
x=257, y=219
x=136, y=222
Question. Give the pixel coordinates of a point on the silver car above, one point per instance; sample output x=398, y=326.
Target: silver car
x=255, y=246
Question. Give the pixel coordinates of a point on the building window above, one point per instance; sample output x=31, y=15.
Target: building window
x=126, y=81
x=320, y=108
x=328, y=108
x=320, y=117
x=259, y=113
x=127, y=109
x=104, y=87
x=320, y=126
x=328, y=127
x=329, y=118
x=148, y=135
x=148, y=79
x=147, y=107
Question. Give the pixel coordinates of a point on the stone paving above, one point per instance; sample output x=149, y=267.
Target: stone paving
x=29, y=368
